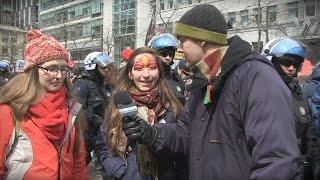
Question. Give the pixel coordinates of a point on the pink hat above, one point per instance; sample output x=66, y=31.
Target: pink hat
x=41, y=48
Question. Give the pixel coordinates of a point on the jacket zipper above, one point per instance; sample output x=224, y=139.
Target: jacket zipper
x=59, y=162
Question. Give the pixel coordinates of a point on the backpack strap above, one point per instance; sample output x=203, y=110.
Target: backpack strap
x=14, y=136
x=73, y=113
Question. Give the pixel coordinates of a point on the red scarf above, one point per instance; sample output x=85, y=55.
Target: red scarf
x=150, y=99
x=50, y=115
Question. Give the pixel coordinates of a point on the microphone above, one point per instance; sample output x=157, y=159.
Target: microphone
x=126, y=108
x=124, y=103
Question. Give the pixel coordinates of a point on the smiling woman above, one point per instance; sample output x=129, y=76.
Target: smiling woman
x=144, y=80
x=34, y=112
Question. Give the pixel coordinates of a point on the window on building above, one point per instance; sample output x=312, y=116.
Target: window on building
x=292, y=10
x=96, y=8
x=244, y=17
x=5, y=51
x=256, y=48
x=271, y=13
x=310, y=7
x=162, y=4
x=255, y=14
x=6, y=19
x=14, y=38
x=232, y=17
x=115, y=2
x=72, y=15
x=124, y=6
x=5, y=37
x=86, y=11
x=15, y=50
x=130, y=29
x=179, y=2
x=116, y=8
x=79, y=31
x=132, y=5
x=170, y=4
x=131, y=21
x=6, y=8
x=96, y=31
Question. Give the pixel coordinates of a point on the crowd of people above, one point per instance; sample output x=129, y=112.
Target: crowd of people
x=224, y=112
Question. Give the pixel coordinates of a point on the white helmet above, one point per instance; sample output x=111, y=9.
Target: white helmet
x=97, y=58
x=19, y=66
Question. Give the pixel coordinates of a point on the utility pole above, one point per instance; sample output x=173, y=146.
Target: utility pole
x=151, y=28
x=259, y=25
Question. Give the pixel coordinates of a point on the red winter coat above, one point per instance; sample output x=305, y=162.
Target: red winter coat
x=34, y=156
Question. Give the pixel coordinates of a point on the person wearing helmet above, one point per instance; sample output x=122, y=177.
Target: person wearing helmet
x=166, y=45
x=5, y=74
x=93, y=89
x=18, y=67
x=287, y=56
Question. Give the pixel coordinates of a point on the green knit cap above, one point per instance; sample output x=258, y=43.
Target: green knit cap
x=203, y=22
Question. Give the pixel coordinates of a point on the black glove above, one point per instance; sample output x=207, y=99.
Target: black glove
x=148, y=133
x=130, y=128
x=135, y=128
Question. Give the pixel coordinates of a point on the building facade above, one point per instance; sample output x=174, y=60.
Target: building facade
x=77, y=24
x=15, y=18
x=295, y=18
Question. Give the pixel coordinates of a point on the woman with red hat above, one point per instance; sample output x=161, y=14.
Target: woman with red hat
x=38, y=137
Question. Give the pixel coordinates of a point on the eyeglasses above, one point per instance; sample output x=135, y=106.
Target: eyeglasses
x=288, y=63
x=53, y=71
x=165, y=53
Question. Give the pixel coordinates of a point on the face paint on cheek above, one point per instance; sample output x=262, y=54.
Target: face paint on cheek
x=146, y=61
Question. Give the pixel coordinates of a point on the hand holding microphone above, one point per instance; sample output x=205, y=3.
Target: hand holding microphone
x=134, y=127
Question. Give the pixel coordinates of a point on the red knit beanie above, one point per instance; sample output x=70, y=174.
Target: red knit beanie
x=41, y=48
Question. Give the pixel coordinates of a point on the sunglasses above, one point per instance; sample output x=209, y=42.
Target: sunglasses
x=288, y=63
x=165, y=53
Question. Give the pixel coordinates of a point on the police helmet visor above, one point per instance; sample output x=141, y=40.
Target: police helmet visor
x=102, y=60
x=285, y=46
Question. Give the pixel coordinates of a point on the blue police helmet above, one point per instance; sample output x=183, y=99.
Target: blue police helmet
x=4, y=65
x=163, y=41
x=284, y=46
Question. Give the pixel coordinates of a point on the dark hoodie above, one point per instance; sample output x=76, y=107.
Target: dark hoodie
x=247, y=133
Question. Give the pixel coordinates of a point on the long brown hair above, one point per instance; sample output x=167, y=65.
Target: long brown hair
x=21, y=91
x=114, y=130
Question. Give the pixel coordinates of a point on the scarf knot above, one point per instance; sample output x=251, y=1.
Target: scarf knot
x=150, y=99
x=50, y=115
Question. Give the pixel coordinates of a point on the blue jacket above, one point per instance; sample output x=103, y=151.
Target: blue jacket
x=172, y=166
x=248, y=132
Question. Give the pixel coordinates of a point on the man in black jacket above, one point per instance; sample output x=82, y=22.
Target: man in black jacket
x=238, y=123
x=287, y=56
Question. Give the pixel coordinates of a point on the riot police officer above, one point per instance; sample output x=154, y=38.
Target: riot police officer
x=4, y=72
x=287, y=56
x=91, y=89
x=166, y=45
